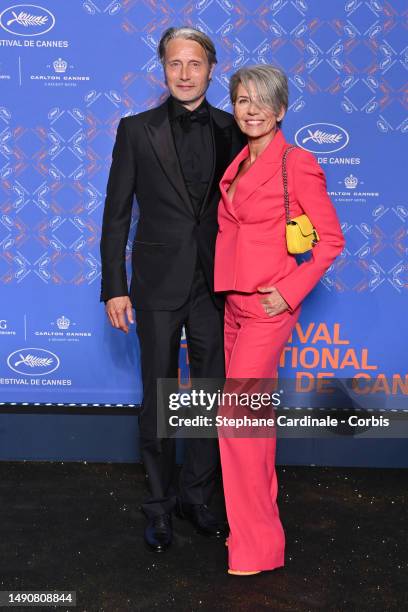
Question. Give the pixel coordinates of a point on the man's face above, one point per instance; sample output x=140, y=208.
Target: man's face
x=187, y=71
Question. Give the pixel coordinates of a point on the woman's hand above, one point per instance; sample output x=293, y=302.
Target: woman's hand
x=273, y=302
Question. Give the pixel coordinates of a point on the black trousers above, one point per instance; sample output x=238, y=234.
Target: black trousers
x=159, y=335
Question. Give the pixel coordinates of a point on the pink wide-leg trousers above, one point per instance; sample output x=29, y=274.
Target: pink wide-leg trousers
x=253, y=344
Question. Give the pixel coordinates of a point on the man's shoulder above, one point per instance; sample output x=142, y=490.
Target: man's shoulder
x=226, y=121
x=144, y=116
x=222, y=117
x=152, y=115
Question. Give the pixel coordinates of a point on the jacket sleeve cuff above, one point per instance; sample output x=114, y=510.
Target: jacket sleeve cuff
x=285, y=292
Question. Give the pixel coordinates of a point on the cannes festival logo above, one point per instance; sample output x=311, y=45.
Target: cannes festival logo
x=322, y=137
x=33, y=361
x=26, y=20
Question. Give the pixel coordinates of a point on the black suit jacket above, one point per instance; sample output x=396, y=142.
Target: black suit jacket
x=145, y=164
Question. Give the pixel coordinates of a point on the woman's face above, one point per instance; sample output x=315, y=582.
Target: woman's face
x=256, y=121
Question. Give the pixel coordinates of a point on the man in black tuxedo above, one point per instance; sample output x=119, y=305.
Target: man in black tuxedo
x=172, y=158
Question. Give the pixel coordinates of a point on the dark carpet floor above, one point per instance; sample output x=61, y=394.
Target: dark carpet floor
x=76, y=526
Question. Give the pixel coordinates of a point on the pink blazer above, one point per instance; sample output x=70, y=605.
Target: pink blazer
x=251, y=246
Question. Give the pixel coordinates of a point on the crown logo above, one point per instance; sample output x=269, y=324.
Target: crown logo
x=60, y=65
x=351, y=181
x=63, y=323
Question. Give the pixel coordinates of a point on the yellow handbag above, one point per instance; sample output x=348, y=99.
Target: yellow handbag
x=301, y=236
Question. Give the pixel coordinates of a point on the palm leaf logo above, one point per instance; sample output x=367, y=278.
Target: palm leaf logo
x=33, y=362
x=321, y=137
x=27, y=20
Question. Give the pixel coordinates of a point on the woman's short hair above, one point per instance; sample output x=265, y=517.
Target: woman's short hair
x=270, y=84
x=188, y=33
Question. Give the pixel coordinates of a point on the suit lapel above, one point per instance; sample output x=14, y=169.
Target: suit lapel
x=161, y=138
x=268, y=164
x=222, y=146
x=229, y=175
x=221, y=139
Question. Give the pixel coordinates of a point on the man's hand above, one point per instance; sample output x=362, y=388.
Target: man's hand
x=273, y=302
x=118, y=310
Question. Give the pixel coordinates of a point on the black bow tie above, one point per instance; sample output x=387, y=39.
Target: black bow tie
x=198, y=116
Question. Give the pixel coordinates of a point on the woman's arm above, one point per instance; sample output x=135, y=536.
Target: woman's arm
x=311, y=194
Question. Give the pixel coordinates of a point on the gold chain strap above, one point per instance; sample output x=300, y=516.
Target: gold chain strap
x=285, y=182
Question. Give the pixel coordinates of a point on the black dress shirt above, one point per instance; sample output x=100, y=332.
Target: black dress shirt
x=193, y=141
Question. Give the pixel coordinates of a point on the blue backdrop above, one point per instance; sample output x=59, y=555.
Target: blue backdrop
x=69, y=71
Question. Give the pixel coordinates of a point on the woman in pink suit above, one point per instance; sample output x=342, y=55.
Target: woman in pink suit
x=264, y=289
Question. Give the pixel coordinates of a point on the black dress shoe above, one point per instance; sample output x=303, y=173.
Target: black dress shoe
x=158, y=533
x=202, y=519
